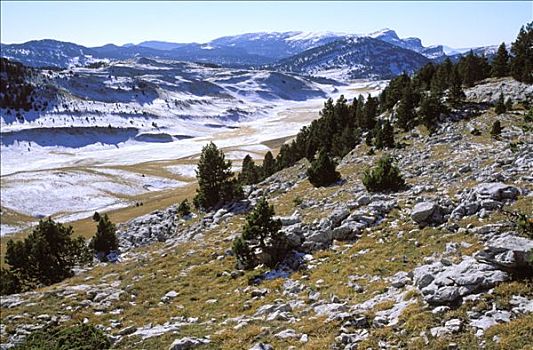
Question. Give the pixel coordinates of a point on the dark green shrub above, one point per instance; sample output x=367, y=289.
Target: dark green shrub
x=9, y=282
x=522, y=222
x=269, y=165
x=216, y=185
x=385, y=176
x=47, y=255
x=475, y=132
x=499, y=108
x=524, y=225
x=322, y=171
x=243, y=253
x=184, y=208
x=105, y=240
x=496, y=129
x=261, y=231
x=79, y=337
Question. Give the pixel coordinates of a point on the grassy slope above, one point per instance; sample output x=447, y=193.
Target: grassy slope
x=193, y=270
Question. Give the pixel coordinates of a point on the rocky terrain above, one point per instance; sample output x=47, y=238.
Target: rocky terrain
x=438, y=265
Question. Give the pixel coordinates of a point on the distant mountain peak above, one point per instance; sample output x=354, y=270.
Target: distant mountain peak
x=160, y=45
x=385, y=32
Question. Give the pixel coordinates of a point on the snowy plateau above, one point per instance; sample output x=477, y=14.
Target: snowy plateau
x=124, y=132
x=121, y=124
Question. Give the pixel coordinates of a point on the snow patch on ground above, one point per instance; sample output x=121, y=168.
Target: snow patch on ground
x=185, y=170
x=79, y=193
x=8, y=229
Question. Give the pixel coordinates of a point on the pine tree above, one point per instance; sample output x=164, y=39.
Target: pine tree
x=377, y=134
x=423, y=77
x=359, y=115
x=522, y=55
x=383, y=135
x=405, y=115
x=467, y=68
x=496, y=129
x=385, y=176
x=473, y=69
x=394, y=91
x=262, y=231
x=322, y=171
x=353, y=112
x=344, y=142
x=260, y=224
x=499, y=108
x=369, y=114
x=441, y=79
x=430, y=110
x=456, y=94
x=105, y=240
x=214, y=176
x=250, y=172
x=269, y=165
x=387, y=132
x=47, y=255
x=96, y=216
x=500, y=63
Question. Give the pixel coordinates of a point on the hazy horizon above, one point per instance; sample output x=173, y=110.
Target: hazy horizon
x=100, y=23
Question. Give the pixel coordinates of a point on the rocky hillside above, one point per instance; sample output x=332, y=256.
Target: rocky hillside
x=413, y=44
x=438, y=265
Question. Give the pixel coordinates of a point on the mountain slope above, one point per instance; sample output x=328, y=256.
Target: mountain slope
x=413, y=44
x=48, y=53
x=354, y=58
x=277, y=45
x=147, y=89
x=159, y=45
x=247, y=50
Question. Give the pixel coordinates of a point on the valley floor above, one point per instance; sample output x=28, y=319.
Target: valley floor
x=70, y=184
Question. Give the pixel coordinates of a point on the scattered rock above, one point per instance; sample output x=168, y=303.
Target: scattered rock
x=188, y=343
x=169, y=296
x=507, y=251
x=441, y=284
x=488, y=196
x=287, y=333
x=262, y=346
x=425, y=213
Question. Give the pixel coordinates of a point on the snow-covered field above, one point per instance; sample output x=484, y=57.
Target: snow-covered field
x=52, y=192
x=63, y=162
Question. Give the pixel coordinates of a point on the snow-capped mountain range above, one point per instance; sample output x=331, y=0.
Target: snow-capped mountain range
x=246, y=50
x=353, y=58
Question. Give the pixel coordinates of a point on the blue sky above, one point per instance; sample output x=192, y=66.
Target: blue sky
x=456, y=24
